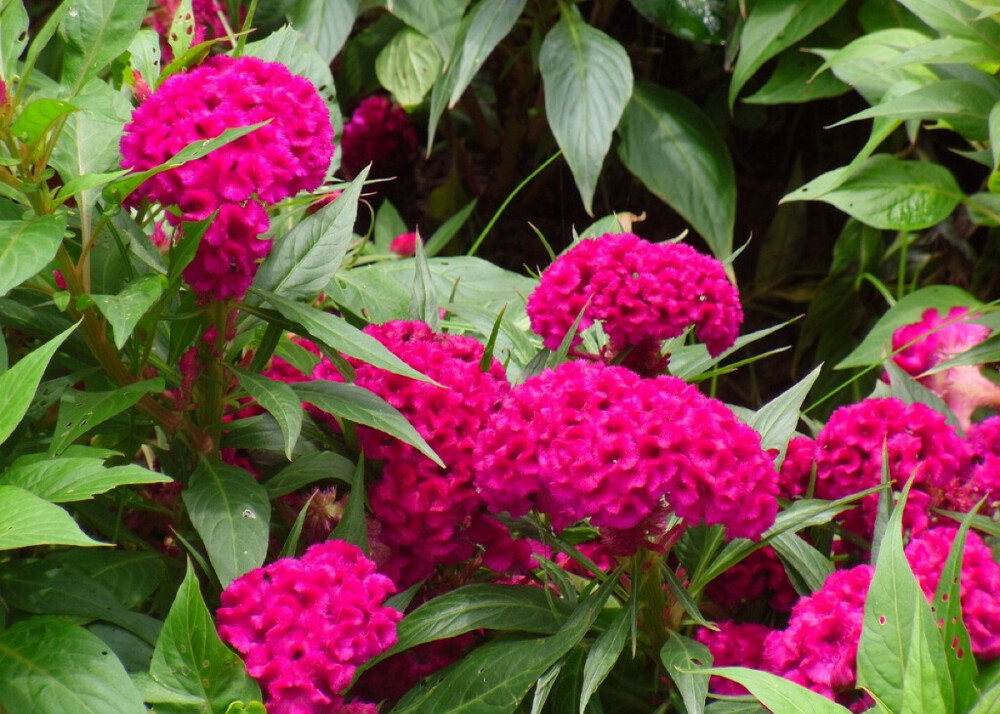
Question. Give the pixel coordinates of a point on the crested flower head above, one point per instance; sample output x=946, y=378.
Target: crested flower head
x=380, y=133
x=639, y=291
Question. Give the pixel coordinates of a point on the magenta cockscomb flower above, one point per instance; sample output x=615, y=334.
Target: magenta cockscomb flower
x=983, y=444
x=303, y=625
x=819, y=647
x=734, y=644
x=918, y=443
x=289, y=154
x=641, y=292
x=425, y=511
x=380, y=133
x=404, y=244
x=586, y=440
x=229, y=252
x=921, y=346
x=979, y=587
x=797, y=466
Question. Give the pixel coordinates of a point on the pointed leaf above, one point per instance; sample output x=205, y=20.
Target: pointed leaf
x=776, y=420
x=777, y=693
x=26, y=247
x=683, y=659
x=13, y=37
x=438, y=20
x=694, y=20
x=63, y=480
x=602, y=656
x=124, y=310
x=95, y=32
x=408, y=66
x=308, y=469
x=26, y=519
x=79, y=411
x=38, y=116
x=490, y=22
x=423, y=298
x=280, y=402
x=325, y=24
x=352, y=527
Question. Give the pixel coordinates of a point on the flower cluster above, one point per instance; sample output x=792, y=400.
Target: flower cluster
x=921, y=346
x=290, y=153
x=425, y=511
x=586, y=440
x=643, y=293
x=303, y=625
x=378, y=132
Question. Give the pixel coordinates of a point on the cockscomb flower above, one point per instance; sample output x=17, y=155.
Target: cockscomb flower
x=934, y=339
x=229, y=252
x=289, y=154
x=426, y=511
x=918, y=443
x=378, y=132
x=303, y=625
x=796, y=468
x=979, y=585
x=586, y=440
x=734, y=644
x=641, y=292
x=983, y=444
x=404, y=244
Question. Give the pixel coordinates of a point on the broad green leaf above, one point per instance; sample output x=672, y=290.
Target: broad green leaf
x=776, y=420
x=191, y=659
x=144, y=54
x=809, y=567
x=947, y=50
x=795, y=79
x=62, y=480
x=444, y=85
x=900, y=642
x=493, y=607
x=588, y=81
x=695, y=20
x=131, y=575
x=80, y=411
x=352, y=527
x=362, y=406
x=893, y=194
x=423, y=298
x=490, y=22
x=51, y=666
x=18, y=384
x=408, y=66
x=13, y=37
x=280, y=402
x=180, y=34
x=44, y=588
x=388, y=225
x=38, y=117
x=772, y=26
x=325, y=24
x=26, y=247
x=777, y=693
x=95, y=32
x=956, y=18
x=302, y=262
x=307, y=470
x=337, y=334
x=671, y=146
x=962, y=105
x=437, y=20
x=877, y=344
x=683, y=658
x=231, y=513
x=26, y=519
x=124, y=310
x=606, y=650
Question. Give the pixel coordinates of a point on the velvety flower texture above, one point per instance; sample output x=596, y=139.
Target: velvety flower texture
x=378, y=132
x=303, y=625
x=230, y=249
x=936, y=339
x=979, y=587
x=641, y=292
x=733, y=645
x=586, y=440
x=425, y=511
x=983, y=443
x=796, y=468
x=918, y=443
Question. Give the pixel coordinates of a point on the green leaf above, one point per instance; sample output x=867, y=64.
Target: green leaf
x=776, y=420
x=13, y=37
x=796, y=79
x=772, y=26
x=352, y=527
x=231, y=513
x=777, y=693
x=38, y=117
x=877, y=344
x=408, y=66
x=307, y=470
x=51, y=666
x=955, y=18
x=695, y=20
x=180, y=35
x=490, y=22
x=448, y=229
x=80, y=411
x=26, y=519
x=423, y=298
x=809, y=566
x=280, y=402
x=302, y=262
x=131, y=575
x=893, y=194
x=947, y=50
x=95, y=32
x=124, y=310
x=588, y=81
x=337, y=334
x=487, y=606
x=361, y=406
x=900, y=642
x=291, y=546
x=43, y=588
x=26, y=247
x=683, y=659
x=672, y=147
x=325, y=24
x=388, y=225
x=18, y=384
x=63, y=480
x=437, y=20
x=602, y=656
x=144, y=54
x=190, y=658
x=909, y=390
